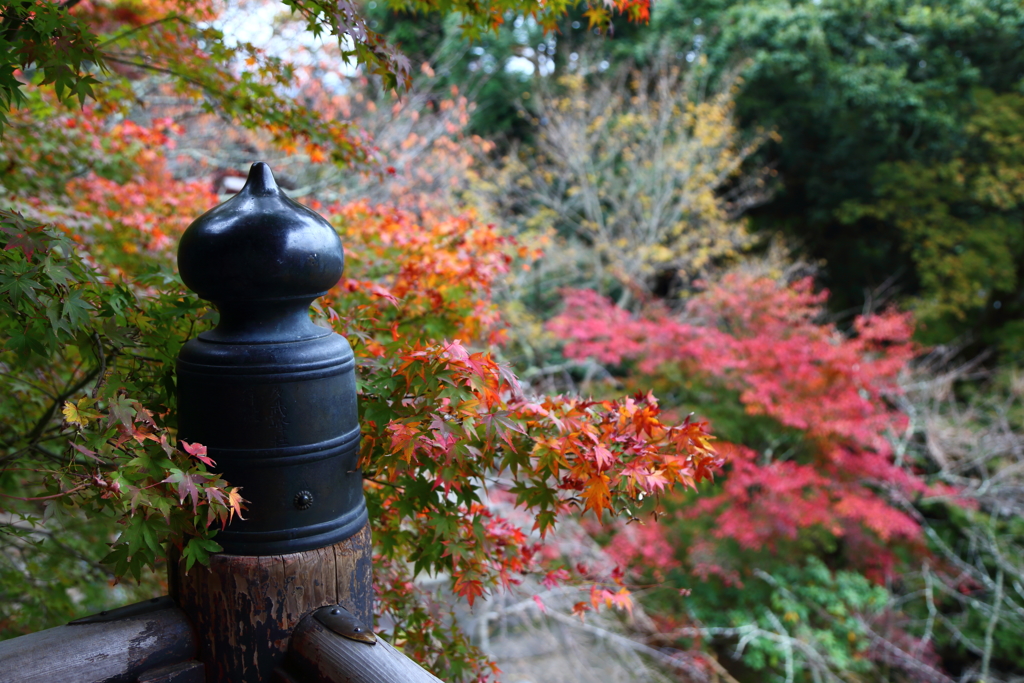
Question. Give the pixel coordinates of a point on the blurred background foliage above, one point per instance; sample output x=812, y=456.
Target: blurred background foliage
x=873, y=145
x=892, y=119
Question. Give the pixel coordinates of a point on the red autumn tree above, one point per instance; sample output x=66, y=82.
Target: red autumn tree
x=766, y=342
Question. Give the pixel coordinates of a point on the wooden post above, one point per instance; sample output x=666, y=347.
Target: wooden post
x=273, y=398
x=246, y=607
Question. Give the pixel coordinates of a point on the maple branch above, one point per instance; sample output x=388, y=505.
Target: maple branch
x=103, y=365
x=990, y=628
x=18, y=378
x=383, y=483
x=959, y=635
x=967, y=568
x=49, y=454
x=932, y=611
x=149, y=359
x=907, y=658
x=35, y=529
x=56, y=495
x=159, y=69
x=143, y=27
x=33, y=446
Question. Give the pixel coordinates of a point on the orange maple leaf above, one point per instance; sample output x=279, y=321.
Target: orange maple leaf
x=597, y=495
x=470, y=589
x=236, y=503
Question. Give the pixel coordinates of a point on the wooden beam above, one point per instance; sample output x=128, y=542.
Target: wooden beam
x=102, y=652
x=246, y=607
x=318, y=655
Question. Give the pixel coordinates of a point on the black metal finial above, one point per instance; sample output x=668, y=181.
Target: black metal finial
x=261, y=180
x=269, y=393
x=261, y=258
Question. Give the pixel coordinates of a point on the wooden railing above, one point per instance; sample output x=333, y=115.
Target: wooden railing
x=158, y=645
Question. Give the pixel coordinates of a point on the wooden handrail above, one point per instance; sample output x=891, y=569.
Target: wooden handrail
x=118, y=650
x=318, y=655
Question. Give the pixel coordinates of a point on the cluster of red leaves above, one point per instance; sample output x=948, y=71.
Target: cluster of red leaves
x=643, y=545
x=147, y=212
x=765, y=341
x=454, y=418
x=128, y=206
x=106, y=17
x=427, y=278
x=637, y=11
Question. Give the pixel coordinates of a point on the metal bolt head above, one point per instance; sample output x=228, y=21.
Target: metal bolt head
x=303, y=500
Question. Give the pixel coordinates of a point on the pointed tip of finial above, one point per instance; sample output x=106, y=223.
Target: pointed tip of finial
x=261, y=180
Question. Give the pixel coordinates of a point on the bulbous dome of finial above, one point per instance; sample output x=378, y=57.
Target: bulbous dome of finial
x=260, y=245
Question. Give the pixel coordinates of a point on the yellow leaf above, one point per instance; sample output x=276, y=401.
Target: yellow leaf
x=80, y=414
x=236, y=502
x=72, y=416
x=597, y=16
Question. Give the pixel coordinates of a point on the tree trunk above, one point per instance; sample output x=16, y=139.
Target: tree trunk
x=245, y=608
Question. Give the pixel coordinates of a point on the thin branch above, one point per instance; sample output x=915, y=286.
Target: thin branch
x=103, y=365
x=143, y=27
x=990, y=629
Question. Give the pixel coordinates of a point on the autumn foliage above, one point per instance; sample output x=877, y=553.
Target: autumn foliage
x=96, y=315
x=445, y=427
x=764, y=341
x=787, y=529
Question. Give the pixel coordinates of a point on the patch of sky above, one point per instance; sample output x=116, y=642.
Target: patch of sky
x=271, y=26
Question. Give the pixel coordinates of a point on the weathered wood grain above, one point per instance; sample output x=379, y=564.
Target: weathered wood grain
x=245, y=608
x=318, y=655
x=185, y=672
x=109, y=652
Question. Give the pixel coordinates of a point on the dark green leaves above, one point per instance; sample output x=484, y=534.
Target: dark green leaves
x=45, y=37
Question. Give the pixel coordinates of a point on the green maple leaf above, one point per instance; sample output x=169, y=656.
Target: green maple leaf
x=76, y=309
x=121, y=410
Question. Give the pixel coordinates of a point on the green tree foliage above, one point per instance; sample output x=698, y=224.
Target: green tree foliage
x=481, y=68
x=962, y=222
x=500, y=70
x=864, y=95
